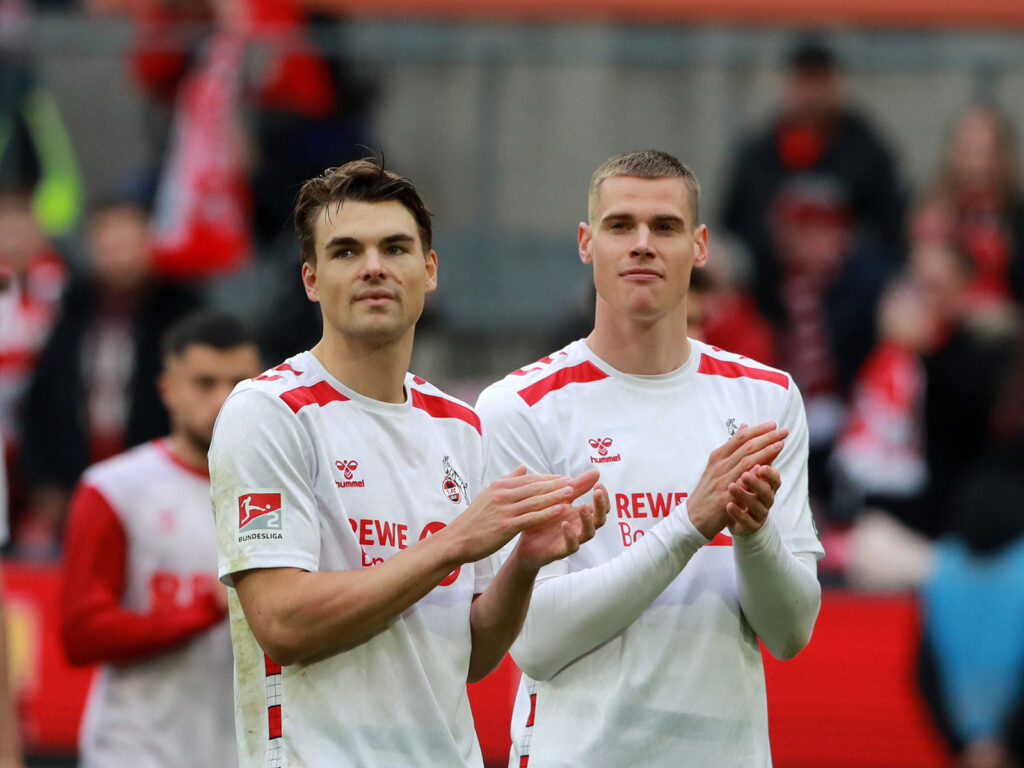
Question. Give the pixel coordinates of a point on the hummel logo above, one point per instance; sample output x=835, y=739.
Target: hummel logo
x=348, y=468
x=601, y=445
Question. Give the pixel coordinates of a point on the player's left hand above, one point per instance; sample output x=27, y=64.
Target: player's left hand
x=752, y=498
x=557, y=538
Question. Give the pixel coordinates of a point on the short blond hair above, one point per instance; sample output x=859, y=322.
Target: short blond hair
x=648, y=164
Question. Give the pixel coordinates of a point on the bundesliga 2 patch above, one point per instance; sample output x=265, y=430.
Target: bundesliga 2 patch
x=260, y=515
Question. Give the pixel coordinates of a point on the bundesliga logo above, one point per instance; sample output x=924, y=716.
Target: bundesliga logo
x=453, y=485
x=601, y=445
x=259, y=516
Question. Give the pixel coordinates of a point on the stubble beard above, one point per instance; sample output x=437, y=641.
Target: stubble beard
x=196, y=439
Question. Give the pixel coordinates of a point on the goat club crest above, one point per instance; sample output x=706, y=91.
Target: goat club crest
x=453, y=485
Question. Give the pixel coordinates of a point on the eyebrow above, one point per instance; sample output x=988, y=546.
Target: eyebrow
x=347, y=241
x=659, y=219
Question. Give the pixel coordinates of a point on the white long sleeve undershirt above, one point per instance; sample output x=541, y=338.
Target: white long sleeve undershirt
x=574, y=613
x=779, y=590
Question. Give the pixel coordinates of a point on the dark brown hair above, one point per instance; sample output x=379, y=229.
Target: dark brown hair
x=365, y=181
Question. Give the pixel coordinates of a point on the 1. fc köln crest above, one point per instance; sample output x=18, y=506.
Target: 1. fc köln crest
x=453, y=485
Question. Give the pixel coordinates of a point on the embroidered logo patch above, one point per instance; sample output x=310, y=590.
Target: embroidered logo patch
x=602, y=446
x=348, y=468
x=453, y=485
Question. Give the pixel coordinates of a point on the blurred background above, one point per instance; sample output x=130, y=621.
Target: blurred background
x=861, y=182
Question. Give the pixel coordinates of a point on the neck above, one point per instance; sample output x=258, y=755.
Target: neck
x=187, y=452
x=376, y=371
x=645, y=348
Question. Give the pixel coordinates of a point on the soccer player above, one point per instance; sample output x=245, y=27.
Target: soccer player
x=351, y=519
x=644, y=644
x=141, y=595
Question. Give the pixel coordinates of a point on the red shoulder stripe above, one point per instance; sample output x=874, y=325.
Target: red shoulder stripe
x=320, y=394
x=729, y=370
x=442, y=408
x=577, y=374
x=268, y=376
x=537, y=365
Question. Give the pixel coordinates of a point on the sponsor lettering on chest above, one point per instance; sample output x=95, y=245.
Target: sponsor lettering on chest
x=643, y=505
x=379, y=539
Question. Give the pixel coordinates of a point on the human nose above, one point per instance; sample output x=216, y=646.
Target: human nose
x=373, y=265
x=642, y=245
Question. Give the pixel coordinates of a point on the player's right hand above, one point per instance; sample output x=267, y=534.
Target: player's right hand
x=748, y=448
x=539, y=545
x=505, y=508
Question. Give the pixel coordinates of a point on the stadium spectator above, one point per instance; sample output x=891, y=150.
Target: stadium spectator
x=34, y=275
x=94, y=392
x=972, y=662
x=644, y=644
x=977, y=204
x=140, y=594
x=815, y=133
x=830, y=281
x=306, y=108
x=35, y=150
x=927, y=408
x=349, y=515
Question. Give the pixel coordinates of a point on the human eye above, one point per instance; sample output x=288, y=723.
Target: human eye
x=395, y=250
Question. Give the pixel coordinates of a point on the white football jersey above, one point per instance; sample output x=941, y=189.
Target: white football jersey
x=309, y=474
x=173, y=709
x=682, y=685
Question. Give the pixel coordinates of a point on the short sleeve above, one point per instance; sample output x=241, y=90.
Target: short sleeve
x=261, y=486
x=510, y=436
x=792, y=509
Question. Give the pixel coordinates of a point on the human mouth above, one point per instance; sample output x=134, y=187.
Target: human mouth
x=641, y=275
x=375, y=298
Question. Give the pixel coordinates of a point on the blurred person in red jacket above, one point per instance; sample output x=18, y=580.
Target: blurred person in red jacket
x=34, y=275
x=140, y=594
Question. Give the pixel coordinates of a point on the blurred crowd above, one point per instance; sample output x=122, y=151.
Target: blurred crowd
x=897, y=311
x=240, y=109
